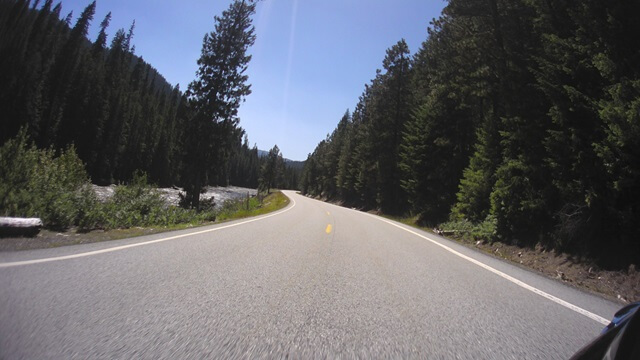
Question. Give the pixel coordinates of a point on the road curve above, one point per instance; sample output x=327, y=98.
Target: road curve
x=311, y=281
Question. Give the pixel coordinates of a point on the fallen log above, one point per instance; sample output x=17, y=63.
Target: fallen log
x=13, y=226
x=449, y=232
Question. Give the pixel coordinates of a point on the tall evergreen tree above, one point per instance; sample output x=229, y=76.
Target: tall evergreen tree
x=69, y=61
x=272, y=170
x=589, y=71
x=437, y=137
x=393, y=109
x=216, y=94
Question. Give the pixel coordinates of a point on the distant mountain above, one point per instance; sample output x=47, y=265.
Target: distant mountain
x=298, y=165
x=290, y=163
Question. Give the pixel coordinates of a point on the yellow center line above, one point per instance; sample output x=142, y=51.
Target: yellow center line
x=328, y=230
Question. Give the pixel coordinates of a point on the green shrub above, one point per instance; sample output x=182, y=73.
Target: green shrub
x=237, y=207
x=18, y=162
x=133, y=204
x=37, y=183
x=138, y=204
x=90, y=211
x=57, y=182
x=485, y=230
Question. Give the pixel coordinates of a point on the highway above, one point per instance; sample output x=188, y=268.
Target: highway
x=313, y=280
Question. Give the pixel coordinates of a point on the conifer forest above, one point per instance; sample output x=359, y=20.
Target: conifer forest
x=521, y=117
x=119, y=114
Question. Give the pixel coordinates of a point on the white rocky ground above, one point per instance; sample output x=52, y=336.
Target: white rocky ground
x=220, y=194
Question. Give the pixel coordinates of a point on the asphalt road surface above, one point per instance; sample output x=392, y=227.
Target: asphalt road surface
x=311, y=281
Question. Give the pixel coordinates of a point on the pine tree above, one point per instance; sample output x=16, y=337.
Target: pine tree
x=271, y=172
x=393, y=111
x=590, y=74
x=216, y=94
x=438, y=135
x=64, y=72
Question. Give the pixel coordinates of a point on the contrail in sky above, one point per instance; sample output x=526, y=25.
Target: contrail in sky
x=292, y=32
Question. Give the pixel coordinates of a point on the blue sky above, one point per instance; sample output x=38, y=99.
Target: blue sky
x=310, y=62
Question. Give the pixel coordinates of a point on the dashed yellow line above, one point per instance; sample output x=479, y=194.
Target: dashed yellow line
x=328, y=230
x=328, y=213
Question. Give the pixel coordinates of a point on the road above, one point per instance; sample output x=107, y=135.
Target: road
x=313, y=280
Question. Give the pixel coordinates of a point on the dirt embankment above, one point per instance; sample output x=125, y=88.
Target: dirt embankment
x=48, y=239
x=621, y=286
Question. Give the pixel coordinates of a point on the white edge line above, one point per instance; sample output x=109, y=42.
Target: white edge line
x=117, y=248
x=526, y=286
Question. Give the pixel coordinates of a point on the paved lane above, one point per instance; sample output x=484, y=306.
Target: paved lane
x=314, y=280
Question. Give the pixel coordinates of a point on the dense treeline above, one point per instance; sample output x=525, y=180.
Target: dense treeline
x=247, y=167
x=117, y=111
x=522, y=116
x=120, y=114
x=53, y=186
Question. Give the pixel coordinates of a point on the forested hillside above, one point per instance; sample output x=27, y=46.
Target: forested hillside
x=118, y=112
x=522, y=117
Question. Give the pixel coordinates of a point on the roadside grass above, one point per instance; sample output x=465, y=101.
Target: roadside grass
x=231, y=210
x=460, y=230
x=259, y=205
x=407, y=220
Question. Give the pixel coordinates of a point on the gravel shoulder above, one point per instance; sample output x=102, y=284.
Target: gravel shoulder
x=622, y=286
x=50, y=239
